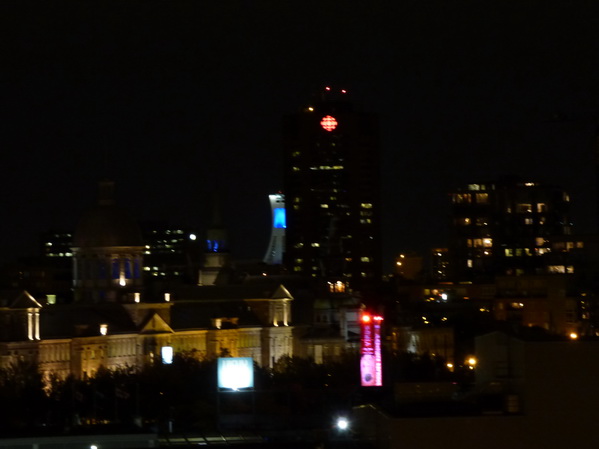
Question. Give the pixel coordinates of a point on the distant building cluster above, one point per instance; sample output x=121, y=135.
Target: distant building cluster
x=113, y=293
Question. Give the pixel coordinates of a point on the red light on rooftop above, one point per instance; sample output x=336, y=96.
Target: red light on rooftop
x=343, y=91
x=327, y=88
x=366, y=318
x=328, y=123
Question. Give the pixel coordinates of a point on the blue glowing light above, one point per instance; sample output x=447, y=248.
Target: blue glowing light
x=279, y=220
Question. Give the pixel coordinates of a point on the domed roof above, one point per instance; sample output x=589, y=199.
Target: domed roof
x=107, y=224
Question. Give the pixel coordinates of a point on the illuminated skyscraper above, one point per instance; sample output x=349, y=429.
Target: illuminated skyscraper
x=332, y=191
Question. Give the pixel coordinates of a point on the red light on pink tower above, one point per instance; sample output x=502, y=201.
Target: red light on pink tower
x=371, y=363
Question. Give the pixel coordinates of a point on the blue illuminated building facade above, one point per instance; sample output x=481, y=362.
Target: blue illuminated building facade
x=276, y=245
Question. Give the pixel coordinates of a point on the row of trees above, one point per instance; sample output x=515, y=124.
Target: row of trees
x=184, y=394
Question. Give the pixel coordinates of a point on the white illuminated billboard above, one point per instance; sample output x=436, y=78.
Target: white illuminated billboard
x=235, y=373
x=167, y=355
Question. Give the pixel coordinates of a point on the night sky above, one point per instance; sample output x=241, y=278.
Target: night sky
x=175, y=100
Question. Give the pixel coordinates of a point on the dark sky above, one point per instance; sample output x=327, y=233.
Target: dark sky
x=176, y=99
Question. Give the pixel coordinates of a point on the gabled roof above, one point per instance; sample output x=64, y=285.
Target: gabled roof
x=281, y=293
x=155, y=325
x=18, y=299
x=25, y=301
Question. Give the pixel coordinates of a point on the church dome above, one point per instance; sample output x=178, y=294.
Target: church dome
x=107, y=224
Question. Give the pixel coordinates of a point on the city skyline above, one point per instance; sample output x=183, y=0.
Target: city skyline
x=174, y=101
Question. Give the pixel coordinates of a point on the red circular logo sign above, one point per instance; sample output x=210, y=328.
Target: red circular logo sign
x=328, y=123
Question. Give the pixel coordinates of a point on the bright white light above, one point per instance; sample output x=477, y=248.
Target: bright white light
x=342, y=423
x=103, y=329
x=192, y=237
x=167, y=355
x=235, y=372
x=444, y=296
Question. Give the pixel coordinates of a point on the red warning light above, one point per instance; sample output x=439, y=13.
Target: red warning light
x=327, y=88
x=328, y=123
x=343, y=91
x=366, y=318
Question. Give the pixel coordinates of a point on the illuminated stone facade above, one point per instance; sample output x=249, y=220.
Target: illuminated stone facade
x=78, y=339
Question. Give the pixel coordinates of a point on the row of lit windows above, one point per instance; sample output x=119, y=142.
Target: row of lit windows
x=519, y=252
x=480, y=243
x=168, y=231
x=467, y=221
x=563, y=269
x=468, y=198
x=567, y=246
x=529, y=208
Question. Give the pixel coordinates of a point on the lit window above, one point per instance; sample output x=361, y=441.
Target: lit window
x=295, y=154
x=364, y=259
x=462, y=198
x=556, y=269
x=487, y=242
x=528, y=221
x=541, y=207
x=469, y=263
x=366, y=205
x=324, y=206
x=524, y=208
x=509, y=252
x=295, y=168
x=482, y=198
x=315, y=245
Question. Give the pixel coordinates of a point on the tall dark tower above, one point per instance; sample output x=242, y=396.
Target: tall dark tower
x=332, y=185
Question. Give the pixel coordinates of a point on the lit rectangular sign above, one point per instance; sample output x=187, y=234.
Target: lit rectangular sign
x=371, y=363
x=167, y=354
x=235, y=372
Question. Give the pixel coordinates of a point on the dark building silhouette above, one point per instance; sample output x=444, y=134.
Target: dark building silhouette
x=505, y=227
x=107, y=252
x=332, y=192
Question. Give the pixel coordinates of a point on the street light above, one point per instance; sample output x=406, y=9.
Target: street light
x=342, y=424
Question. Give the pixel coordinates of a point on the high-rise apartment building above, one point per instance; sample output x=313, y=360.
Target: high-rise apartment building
x=504, y=228
x=332, y=191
